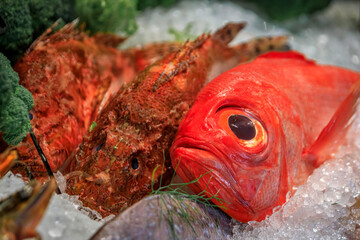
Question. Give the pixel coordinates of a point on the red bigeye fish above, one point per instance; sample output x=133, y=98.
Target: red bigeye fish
x=260, y=129
x=114, y=166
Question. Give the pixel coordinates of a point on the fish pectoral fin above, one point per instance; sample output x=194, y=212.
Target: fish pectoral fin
x=334, y=133
x=7, y=160
x=30, y=216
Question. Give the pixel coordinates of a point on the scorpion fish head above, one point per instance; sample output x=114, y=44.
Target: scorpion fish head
x=123, y=156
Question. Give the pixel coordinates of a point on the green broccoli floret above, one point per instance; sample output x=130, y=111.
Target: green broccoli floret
x=45, y=12
x=18, y=32
x=25, y=96
x=108, y=15
x=15, y=104
x=22, y=21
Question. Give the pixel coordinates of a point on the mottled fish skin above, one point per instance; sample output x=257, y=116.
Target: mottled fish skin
x=167, y=217
x=113, y=166
x=67, y=73
x=292, y=114
x=71, y=77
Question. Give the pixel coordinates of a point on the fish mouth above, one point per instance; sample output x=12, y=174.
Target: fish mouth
x=192, y=162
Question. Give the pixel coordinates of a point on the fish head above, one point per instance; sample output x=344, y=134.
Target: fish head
x=232, y=140
x=121, y=159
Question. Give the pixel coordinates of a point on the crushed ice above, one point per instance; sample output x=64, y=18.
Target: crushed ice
x=320, y=208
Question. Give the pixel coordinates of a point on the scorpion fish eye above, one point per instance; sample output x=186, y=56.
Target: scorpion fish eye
x=134, y=163
x=99, y=147
x=243, y=127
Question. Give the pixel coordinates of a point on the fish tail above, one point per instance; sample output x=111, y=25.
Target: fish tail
x=262, y=45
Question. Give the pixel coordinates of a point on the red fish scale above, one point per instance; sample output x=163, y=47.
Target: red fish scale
x=303, y=107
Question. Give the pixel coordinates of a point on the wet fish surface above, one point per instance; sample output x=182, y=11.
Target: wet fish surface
x=167, y=217
x=262, y=128
x=113, y=167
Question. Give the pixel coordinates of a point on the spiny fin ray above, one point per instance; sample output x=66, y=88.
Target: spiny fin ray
x=185, y=55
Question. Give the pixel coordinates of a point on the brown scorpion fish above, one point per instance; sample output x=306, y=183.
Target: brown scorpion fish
x=71, y=76
x=114, y=166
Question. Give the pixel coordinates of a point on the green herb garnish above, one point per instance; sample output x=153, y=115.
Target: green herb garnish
x=93, y=125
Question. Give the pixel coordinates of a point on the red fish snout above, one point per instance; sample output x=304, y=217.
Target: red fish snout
x=213, y=176
x=248, y=193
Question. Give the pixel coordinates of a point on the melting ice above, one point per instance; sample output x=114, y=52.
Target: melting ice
x=321, y=208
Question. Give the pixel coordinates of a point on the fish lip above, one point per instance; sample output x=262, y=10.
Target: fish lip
x=188, y=148
x=192, y=143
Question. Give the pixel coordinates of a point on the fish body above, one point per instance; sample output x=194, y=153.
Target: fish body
x=258, y=131
x=114, y=166
x=67, y=73
x=167, y=217
x=71, y=77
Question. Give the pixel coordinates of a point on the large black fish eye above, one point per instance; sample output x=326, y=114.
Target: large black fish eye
x=242, y=127
x=134, y=163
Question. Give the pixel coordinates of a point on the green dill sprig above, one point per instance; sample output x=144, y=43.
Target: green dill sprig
x=183, y=35
x=178, y=194
x=177, y=189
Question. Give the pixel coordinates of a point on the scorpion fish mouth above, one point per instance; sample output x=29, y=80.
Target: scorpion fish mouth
x=193, y=163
